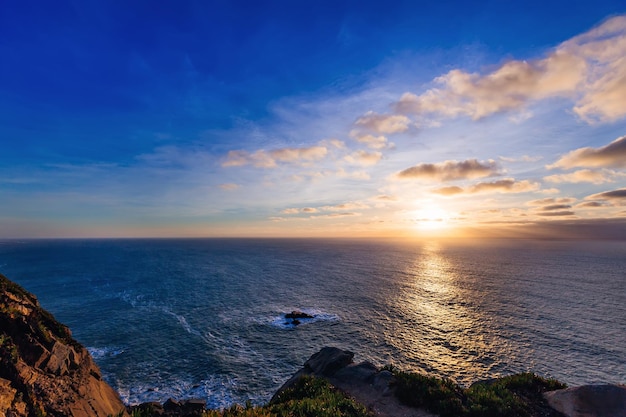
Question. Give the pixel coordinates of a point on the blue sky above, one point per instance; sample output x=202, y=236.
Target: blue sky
x=298, y=118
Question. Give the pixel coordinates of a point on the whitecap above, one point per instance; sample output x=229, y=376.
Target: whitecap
x=104, y=352
x=217, y=390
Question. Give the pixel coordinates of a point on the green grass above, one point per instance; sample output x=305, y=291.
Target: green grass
x=517, y=395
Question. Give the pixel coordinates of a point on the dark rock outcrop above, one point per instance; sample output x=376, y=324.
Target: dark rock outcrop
x=43, y=370
x=297, y=314
x=364, y=382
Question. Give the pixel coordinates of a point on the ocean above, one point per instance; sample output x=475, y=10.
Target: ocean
x=204, y=318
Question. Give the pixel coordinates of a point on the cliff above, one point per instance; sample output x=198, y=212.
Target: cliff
x=43, y=370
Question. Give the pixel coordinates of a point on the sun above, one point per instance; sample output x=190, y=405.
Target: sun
x=431, y=218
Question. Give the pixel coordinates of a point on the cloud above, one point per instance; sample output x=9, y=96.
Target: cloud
x=335, y=215
x=229, y=186
x=591, y=204
x=383, y=123
x=507, y=185
x=299, y=210
x=335, y=143
x=554, y=207
x=548, y=201
x=270, y=159
x=449, y=191
x=583, y=175
x=524, y=158
x=556, y=213
x=373, y=142
x=618, y=195
x=385, y=197
x=451, y=170
x=351, y=205
x=590, y=69
x=612, y=155
x=364, y=158
x=504, y=186
x=355, y=175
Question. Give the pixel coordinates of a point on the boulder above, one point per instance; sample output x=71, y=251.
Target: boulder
x=589, y=401
x=328, y=361
x=43, y=370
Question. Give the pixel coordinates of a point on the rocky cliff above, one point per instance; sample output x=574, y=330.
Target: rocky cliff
x=43, y=370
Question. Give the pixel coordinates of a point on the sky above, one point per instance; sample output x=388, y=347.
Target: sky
x=313, y=119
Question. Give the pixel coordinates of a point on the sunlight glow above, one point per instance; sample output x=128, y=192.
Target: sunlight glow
x=432, y=217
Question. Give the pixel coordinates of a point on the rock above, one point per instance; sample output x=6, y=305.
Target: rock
x=193, y=407
x=43, y=370
x=364, y=382
x=295, y=322
x=297, y=314
x=589, y=401
x=171, y=404
x=328, y=361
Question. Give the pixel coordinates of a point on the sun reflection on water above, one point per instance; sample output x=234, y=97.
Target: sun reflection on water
x=444, y=332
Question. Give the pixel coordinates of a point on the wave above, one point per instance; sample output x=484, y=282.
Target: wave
x=217, y=390
x=99, y=353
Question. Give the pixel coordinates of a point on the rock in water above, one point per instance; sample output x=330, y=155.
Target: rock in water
x=43, y=370
x=297, y=314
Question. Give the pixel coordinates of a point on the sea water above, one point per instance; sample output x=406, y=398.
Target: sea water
x=204, y=318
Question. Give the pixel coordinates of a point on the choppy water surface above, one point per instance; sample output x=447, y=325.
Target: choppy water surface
x=203, y=318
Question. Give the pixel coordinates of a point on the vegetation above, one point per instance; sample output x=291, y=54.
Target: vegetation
x=309, y=397
x=512, y=396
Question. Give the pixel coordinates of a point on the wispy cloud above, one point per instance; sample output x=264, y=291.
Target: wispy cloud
x=271, y=159
x=451, y=170
x=229, y=186
x=363, y=158
x=551, y=201
x=300, y=210
x=584, y=175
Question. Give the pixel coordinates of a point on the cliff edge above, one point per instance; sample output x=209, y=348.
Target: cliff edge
x=43, y=370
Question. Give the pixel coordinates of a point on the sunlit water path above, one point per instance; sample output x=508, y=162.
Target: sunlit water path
x=203, y=318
